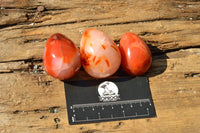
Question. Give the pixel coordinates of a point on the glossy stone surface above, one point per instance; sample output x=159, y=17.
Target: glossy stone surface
x=136, y=56
x=100, y=56
x=61, y=57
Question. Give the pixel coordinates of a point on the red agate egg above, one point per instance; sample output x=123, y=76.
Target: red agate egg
x=100, y=56
x=136, y=56
x=61, y=57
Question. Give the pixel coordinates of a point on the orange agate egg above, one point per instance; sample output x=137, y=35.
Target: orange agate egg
x=100, y=56
x=136, y=56
x=61, y=57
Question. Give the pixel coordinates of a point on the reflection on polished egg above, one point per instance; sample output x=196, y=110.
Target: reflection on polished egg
x=61, y=57
x=136, y=56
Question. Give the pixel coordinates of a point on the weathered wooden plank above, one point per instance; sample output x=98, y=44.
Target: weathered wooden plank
x=10, y=17
x=160, y=27
x=168, y=120
x=162, y=36
x=32, y=102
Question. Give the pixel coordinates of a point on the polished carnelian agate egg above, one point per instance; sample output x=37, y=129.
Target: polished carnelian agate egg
x=100, y=56
x=61, y=57
x=136, y=56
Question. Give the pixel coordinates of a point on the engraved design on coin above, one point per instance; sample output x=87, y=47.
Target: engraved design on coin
x=108, y=91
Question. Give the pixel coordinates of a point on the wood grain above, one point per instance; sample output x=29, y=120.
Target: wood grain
x=32, y=101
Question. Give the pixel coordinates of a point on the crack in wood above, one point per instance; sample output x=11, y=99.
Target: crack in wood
x=191, y=75
x=65, y=23
x=25, y=60
x=180, y=48
x=196, y=1
x=16, y=112
x=60, y=9
x=147, y=33
x=142, y=21
x=43, y=117
x=6, y=71
x=54, y=24
x=152, y=42
x=54, y=109
x=34, y=8
x=35, y=40
x=9, y=25
x=181, y=90
x=32, y=126
x=31, y=65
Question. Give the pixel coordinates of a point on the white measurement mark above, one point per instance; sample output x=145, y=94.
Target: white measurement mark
x=102, y=108
x=150, y=104
x=93, y=108
x=131, y=106
x=122, y=106
x=83, y=109
x=73, y=110
x=148, y=111
x=112, y=107
x=71, y=107
x=99, y=115
x=73, y=119
x=123, y=113
x=140, y=104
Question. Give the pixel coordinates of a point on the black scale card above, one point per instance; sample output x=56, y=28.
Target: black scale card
x=112, y=99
